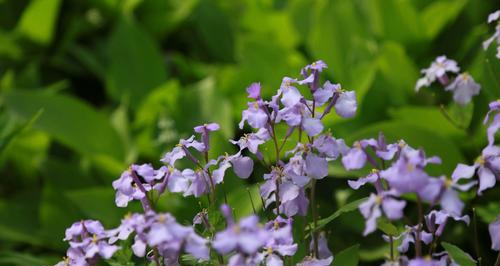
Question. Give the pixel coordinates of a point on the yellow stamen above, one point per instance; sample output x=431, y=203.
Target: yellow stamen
x=480, y=160
x=94, y=238
x=276, y=225
x=269, y=250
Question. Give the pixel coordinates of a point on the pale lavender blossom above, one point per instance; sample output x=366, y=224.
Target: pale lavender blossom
x=445, y=191
x=346, y=104
x=495, y=124
x=373, y=207
x=356, y=157
x=280, y=243
x=255, y=116
x=463, y=88
x=324, y=256
x=245, y=237
x=496, y=36
x=409, y=236
x=488, y=168
x=494, y=229
x=205, y=130
x=127, y=186
x=437, y=220
x=87, y=240
x=254, y=91
x=437, y=70
x=330, y=147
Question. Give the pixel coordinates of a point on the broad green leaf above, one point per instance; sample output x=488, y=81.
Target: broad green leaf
x=6, y=138
x=398, y=70
x=69, y=120
x=489, y=212
x=344, y=209
x=97, y=203
x=428, y=117
x=215, y=30
x=438, y=14
x=340, y=39
x=393, y=19
x=39, y=19
x=20, y=259
x=458, y=255
x=242, y=203
x=135, y=64
x=387, y=227
x=347, y=257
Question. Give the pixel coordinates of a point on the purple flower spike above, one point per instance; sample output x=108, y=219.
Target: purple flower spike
x=87, y=240
x=463, y=88
x=494, y=229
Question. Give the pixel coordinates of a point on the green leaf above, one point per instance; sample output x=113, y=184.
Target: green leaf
x=428, y=117
x=39, y=19
x=214, y=28
x=20, y=259
x=344, y=209
x=9, y=136
x=458, y=255
x=97, y=203
x=135, y=64
x=347, y=257
x=240, y=201
x=488, y=213
x=69, y=120
x=438, y=14
x=340, y=39
x=387, y=227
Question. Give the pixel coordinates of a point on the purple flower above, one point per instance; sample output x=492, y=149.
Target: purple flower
x=373, y=207
x=127, y=189
x=407, y=173
x=427, y=261
x=245, y=237
x=346, y=104
x=496, y=36
x=316, y=166
x=488, y=168
x=372, y=178
x=495, y=125
x=204, y=130
x=312, y=126
x=254, y=91
x=242, y=166
x=254, y=115
x=329, y=147
x=463, y=88
x=494, y=229
x=290, y=94
x=87, y=239
x=126, y=227
x=324, y=256
x=252, y=141
x=436, y=221
x=356, y=157
x=280, y=244
x=437, y=70
x=409, y=236
x=181, y=150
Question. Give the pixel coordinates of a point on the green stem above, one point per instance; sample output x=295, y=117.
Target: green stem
x=314, y=216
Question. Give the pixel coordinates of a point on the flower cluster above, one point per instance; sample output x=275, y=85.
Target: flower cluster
x=495, y=16
x=462, y=86
x=399, y=177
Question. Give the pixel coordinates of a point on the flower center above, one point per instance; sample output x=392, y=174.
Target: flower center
x=94, y=238
x=480, y=160
x=269, y=250
x=276, y=225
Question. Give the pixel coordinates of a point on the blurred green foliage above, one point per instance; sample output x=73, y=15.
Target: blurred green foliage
x=88, y=87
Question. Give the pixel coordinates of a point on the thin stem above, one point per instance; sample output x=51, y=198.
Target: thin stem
x=314, y=216
x=497, y=263
x=251, y=201
x=448, y=117
x=476, y=241
x=418, y=243
x=156, y=257
x=277, y=193
x=391, y=243
x=146, y=205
